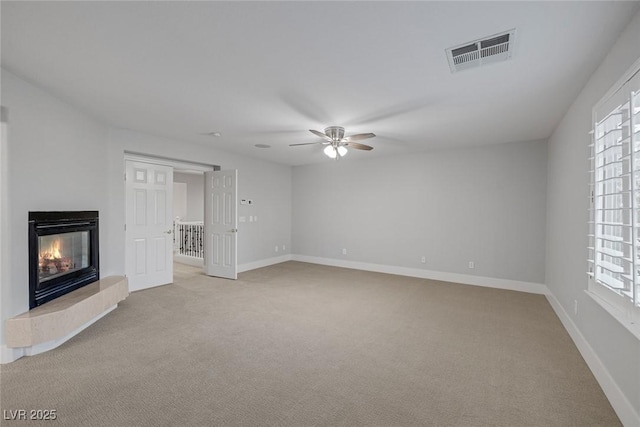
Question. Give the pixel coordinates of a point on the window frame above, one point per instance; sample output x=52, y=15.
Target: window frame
x=624, y=308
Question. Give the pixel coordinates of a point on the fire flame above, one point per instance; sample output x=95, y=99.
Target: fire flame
x=53, y=252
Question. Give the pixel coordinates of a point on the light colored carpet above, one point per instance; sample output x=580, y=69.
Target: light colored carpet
x=299, y=344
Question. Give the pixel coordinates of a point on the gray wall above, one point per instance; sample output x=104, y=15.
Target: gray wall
x=55, y=159
x=268, y=184
x=485, y=205
x=195, y=194
x=567, y=218
x=61, y=159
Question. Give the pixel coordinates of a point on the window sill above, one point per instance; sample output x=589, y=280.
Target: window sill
x=620, y=315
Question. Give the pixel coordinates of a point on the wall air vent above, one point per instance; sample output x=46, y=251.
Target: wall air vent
x=484, y=51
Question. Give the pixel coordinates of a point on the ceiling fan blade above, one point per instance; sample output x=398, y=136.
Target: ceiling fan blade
x=358, y=137
x=306, y=143
x=320, y=134
x=359, y=146
x=305, y=106
x=395, y=110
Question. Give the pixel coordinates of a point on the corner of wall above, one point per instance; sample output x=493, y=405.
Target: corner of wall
x=4, y=218
x=619, y=401
x=566, y=236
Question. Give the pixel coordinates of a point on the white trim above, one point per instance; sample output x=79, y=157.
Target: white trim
x=488, y=282
x=622, y=308
x=165, y=161
x=4, y=226
x=631, y=71
x=263, y=263
x=8, y=355
x=621, y=405
x=617, y=306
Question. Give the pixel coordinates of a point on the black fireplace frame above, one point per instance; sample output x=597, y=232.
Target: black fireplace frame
x=48, y=223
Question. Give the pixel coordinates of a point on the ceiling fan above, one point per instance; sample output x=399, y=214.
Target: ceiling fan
x=336, y=143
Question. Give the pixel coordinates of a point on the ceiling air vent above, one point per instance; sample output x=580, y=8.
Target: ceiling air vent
x=484, y=51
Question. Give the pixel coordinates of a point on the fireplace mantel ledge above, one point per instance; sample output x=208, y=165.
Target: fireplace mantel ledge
x=51, y=324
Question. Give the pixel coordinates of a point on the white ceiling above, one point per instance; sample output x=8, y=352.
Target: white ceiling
x=266, y=72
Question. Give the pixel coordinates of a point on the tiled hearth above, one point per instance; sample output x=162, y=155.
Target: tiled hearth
x=49, y=325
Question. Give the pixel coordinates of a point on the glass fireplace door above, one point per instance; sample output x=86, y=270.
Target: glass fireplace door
x=64, y=253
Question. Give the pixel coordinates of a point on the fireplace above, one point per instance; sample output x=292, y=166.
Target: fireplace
x=63, y=253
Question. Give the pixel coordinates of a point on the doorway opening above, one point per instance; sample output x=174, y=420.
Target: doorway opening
x=150, y=226
x=188, y=217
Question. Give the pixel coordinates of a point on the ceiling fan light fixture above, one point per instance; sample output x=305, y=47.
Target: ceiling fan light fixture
x=336, y=143
x=333, y=152
x=330, y=151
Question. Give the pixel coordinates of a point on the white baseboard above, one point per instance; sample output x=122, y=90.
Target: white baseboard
x=263, y=263
x=621, y=405
x=489, y=282
x=8, y=354
x=12, y=354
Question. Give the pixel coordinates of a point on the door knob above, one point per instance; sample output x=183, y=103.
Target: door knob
x=168, y=231
x=234, y=230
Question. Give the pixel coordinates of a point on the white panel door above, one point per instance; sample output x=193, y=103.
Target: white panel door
x=149, y=224
x=221, y=224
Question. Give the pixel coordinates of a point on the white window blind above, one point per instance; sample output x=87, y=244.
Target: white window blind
x=614, y=225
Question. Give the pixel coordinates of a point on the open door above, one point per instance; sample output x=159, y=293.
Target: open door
x=149, y=224
x=221, y=224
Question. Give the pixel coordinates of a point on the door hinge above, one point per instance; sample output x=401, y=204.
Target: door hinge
x=125, y=227
x=125, y=176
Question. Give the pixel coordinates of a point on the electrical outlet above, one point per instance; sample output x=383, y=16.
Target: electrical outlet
x=344, y=251
x=423, y=260
x=575, y=307
x=276, y=248
x=284, y=248
x=255, y=218
x=472, y=264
